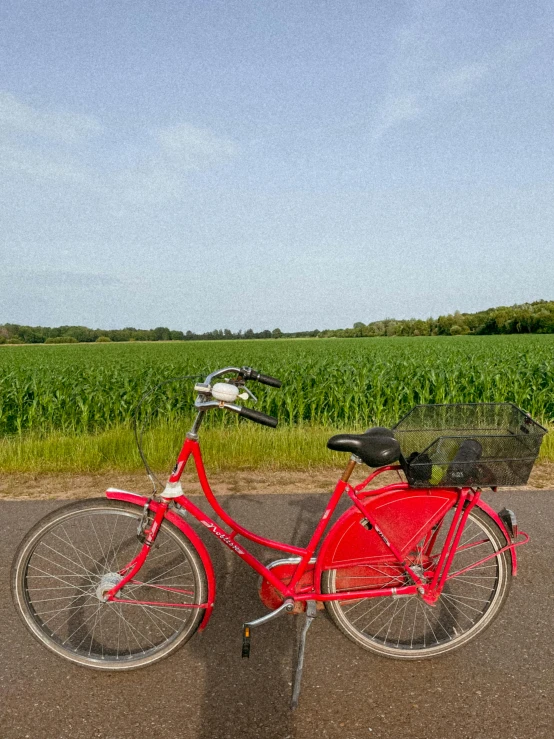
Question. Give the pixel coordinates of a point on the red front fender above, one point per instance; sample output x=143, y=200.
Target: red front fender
x=188, y=531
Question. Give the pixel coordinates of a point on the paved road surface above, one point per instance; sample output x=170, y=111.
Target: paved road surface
x=499, y=687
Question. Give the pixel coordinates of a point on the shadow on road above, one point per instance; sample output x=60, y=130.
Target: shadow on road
x=251, y=697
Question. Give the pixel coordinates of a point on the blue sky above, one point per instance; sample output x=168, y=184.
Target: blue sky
x=224, y=164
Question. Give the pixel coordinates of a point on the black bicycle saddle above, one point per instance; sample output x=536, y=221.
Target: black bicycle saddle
x=376, y=447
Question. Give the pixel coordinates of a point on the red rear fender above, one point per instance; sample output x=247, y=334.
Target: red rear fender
x=188, y=531
x=500, y=523
x=404, y=516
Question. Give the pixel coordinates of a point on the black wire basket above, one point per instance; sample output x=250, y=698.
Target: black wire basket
x=468, y=445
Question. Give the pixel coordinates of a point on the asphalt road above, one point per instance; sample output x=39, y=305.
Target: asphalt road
x=499, y=686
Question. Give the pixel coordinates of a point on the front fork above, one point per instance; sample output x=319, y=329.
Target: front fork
x=148, y=536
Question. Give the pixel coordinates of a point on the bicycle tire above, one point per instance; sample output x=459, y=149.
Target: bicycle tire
x=61, y=562
x=408, y=628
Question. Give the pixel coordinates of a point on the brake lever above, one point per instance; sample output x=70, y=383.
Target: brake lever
x=240, y=382
x=248, y=394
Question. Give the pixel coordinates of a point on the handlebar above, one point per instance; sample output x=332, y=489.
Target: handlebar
x=258, y=417
x=245, y=373
x=224, y=399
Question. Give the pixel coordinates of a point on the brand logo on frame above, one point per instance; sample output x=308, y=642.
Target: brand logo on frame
x=223, y=536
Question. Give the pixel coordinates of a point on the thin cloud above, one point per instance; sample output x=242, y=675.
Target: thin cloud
x=19, y=117
x=148, y=182
x=164, y=173
x=53, y=145
x=395, y=110
x=461, y=81
x=53, y=279
x=420, y=80
x=193, y=147
x=412, y=65
x=25, y=161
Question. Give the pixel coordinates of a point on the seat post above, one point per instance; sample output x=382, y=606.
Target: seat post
x=349, y=468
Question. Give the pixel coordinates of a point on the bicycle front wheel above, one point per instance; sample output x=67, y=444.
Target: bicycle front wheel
x=406, y=627
x=71, y=557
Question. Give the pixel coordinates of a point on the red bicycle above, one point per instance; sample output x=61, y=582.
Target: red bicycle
x=411, y=570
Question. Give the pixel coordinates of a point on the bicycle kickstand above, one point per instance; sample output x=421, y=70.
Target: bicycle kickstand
x=311, y=613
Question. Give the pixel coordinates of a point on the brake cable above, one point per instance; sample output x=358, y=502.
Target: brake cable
x=140, y=432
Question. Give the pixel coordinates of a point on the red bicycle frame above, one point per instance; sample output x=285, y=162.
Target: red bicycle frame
x=462, y=499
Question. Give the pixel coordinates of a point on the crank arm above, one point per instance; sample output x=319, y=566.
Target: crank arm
x=286, y=607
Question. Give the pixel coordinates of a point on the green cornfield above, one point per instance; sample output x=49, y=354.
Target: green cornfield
x=72, y=392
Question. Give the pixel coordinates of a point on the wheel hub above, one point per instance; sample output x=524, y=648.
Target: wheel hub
x=418, y=570
x=107, y=582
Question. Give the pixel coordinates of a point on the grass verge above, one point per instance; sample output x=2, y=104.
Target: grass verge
x=224, y=449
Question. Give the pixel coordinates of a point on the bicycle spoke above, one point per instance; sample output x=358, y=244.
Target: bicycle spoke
x=55, y=577
x=57, y=611
x=81, y=625
x=47, y=600
x=150, y=615
x=452, y=615
x=111, y=543
x=113, y=560
x=460, y=603
x=413, y=626
x=77, y=550
x=473, y=584
x=439, y=623
x=372, y=608
x=389, y=605
x=57, y=564
x=161, y=554
x=404, y=611
x=97, y=539
x=93, y=630
x=425, y=609
x=85, y=569
x=134, y=630
x=391, y=620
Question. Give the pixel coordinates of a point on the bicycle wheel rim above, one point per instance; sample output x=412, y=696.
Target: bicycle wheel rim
x=61, y=567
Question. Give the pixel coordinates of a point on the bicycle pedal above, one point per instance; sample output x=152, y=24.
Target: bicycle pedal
x=246, y=641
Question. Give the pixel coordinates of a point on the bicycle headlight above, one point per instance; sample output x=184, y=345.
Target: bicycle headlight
x=225, y=392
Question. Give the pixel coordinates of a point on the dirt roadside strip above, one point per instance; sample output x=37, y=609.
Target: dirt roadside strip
x=69, y=487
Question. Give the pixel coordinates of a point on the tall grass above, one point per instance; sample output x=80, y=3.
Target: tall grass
x=250, y=447
x=224, y=449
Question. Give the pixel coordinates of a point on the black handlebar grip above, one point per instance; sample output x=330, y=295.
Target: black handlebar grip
x=251, y=374
x=267, y=380
x=258, y=417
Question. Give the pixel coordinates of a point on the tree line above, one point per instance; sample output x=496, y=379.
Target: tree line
x=528, y=318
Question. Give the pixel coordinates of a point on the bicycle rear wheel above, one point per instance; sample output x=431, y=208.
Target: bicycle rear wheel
x=407, y=627
x=74, y=554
